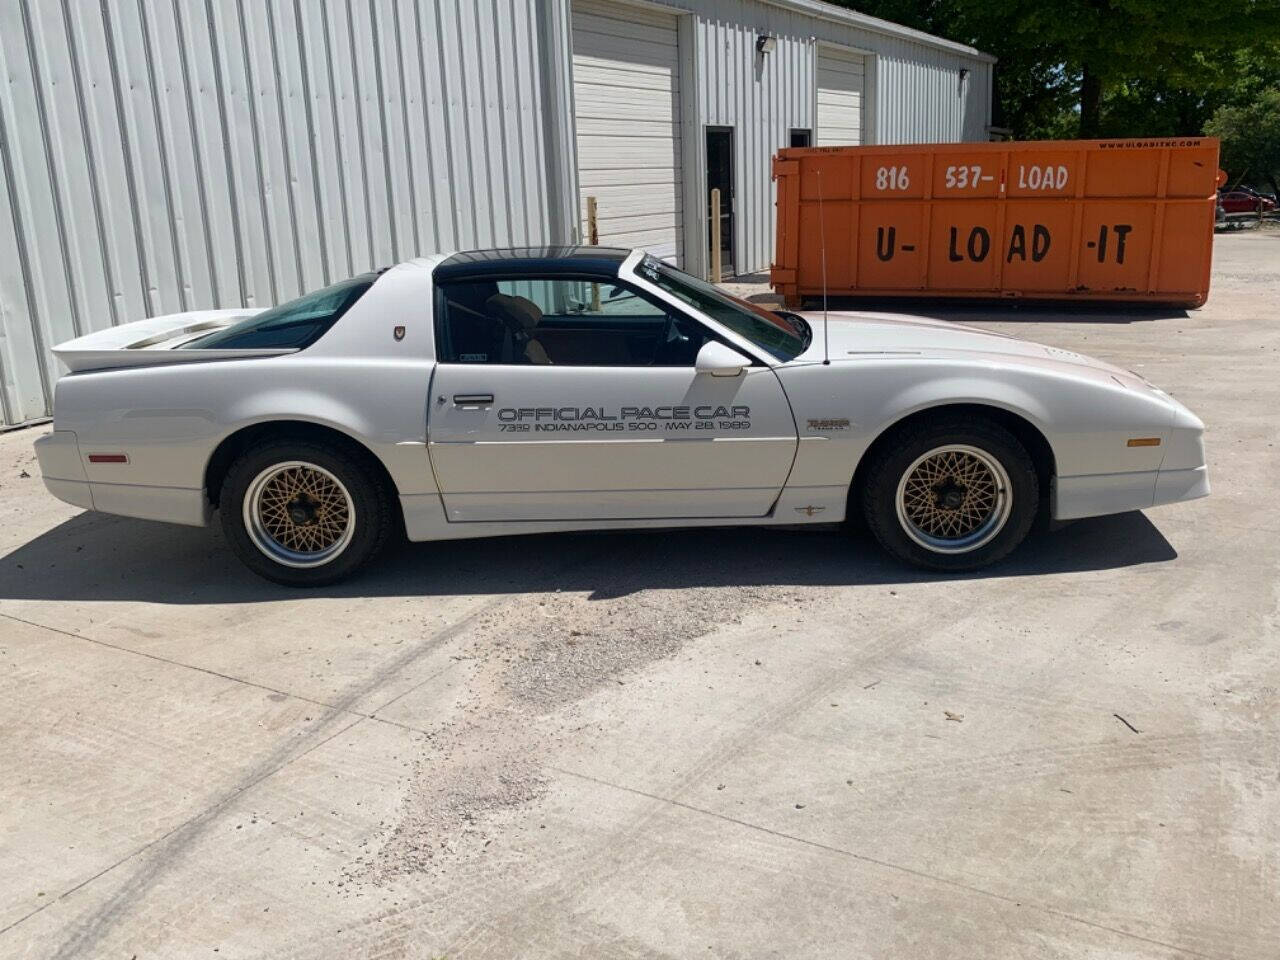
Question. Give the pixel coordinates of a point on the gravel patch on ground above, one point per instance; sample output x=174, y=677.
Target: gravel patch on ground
x=573, y=647
x=527, y=662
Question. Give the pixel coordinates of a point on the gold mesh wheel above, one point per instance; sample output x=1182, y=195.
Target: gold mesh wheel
x=954, y=499
x=299, y=514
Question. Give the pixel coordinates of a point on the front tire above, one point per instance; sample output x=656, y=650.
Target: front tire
x=952, y=494
x=303, y=513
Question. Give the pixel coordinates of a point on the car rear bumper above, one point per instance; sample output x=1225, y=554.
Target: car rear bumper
x=58, y=454
x=59, y=457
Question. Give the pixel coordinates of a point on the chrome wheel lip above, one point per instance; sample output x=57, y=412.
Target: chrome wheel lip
x=270, y=547
x=987, y=531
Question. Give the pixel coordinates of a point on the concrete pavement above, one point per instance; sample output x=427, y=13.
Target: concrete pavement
x=730, y=744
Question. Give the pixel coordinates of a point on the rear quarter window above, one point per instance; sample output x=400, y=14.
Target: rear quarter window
x=293, y=325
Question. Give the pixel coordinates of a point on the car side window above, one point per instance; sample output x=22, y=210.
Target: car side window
x=293, y=325
x=562, y=321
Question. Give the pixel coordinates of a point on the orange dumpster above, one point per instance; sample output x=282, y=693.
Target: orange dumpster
x=1128, y=220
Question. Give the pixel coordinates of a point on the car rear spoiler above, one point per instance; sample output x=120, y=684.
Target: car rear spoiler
x=155, y=341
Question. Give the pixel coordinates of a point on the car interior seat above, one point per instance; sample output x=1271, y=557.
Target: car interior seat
x=474, y=335
x=521, y=317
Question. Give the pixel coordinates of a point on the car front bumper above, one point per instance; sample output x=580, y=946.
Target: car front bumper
x=1094, y=496
x=1183, y=475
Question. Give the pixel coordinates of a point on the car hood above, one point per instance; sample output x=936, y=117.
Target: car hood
x=854, y=336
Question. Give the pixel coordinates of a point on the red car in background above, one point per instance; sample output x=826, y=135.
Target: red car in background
x=1244, y=201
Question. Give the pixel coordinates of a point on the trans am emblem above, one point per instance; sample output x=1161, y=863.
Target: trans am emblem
x=827, y=425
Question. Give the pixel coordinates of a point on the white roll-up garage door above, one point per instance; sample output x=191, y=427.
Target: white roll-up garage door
x=627, y=111
x=841, y=80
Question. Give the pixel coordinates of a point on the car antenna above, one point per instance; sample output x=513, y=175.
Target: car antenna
x=822, y=244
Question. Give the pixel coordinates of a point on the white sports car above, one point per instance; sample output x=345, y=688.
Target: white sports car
x=523, y=391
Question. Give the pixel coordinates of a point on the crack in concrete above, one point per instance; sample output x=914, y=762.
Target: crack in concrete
x=887, y=864
x=182, y=835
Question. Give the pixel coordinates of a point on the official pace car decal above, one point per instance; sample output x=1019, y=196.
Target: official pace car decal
x=631, y=419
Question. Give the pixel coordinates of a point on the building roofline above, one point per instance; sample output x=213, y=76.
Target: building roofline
x=851, y=18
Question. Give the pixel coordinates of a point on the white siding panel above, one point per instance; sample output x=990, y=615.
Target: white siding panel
x=841, y=81
x=626, y=92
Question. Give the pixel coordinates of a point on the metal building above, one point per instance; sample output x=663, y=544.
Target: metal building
x=166, y=155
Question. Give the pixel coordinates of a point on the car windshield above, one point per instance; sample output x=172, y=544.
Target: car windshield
x=293, y=325
x=782, y=337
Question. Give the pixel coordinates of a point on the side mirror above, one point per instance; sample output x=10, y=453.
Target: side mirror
x=720, y=361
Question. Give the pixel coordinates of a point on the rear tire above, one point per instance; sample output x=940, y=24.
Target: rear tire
x=303, y=513
x=952, y=494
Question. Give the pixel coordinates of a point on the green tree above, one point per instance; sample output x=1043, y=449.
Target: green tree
x=1250, y=135
x=1105, y=67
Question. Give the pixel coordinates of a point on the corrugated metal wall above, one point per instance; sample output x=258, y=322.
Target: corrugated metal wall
x=166, y=155
x=921, y=97
x=914, y=91
x=762, y=98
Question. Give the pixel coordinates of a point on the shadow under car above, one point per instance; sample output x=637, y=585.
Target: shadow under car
x=95, y=557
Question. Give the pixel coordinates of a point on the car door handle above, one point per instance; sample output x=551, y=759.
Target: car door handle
x=472, y=399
